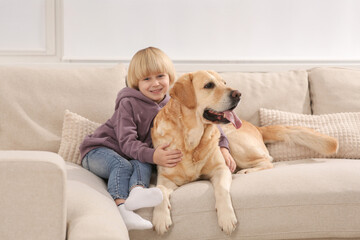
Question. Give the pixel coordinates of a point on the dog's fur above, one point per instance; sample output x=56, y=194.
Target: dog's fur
x=183, y=123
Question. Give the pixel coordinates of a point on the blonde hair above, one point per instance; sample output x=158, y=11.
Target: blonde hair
x=146, y=62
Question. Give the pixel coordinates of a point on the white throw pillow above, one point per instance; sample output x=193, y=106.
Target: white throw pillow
x=343, y=126
x=75, y=128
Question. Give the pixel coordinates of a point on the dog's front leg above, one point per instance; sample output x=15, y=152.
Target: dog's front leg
x=161, y=215
x=221, y=180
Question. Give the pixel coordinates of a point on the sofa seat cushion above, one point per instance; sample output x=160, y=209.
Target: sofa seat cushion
x=91, y=212
x=313, y=198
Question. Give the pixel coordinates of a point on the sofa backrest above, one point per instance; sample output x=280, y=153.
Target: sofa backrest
x=33, y=101
x=286, y=91
x=334, y=89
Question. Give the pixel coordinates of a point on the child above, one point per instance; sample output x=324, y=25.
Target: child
x=121, y=150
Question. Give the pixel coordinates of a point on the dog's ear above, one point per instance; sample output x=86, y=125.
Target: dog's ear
x=183, y=91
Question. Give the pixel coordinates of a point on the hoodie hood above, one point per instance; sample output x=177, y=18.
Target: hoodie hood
x=133, y=93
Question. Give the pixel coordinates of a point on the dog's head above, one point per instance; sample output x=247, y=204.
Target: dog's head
x=206, y=93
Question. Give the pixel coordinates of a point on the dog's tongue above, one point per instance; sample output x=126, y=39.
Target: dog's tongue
x=231, y=116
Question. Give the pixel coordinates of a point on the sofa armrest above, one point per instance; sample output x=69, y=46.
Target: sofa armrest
x=32, y=195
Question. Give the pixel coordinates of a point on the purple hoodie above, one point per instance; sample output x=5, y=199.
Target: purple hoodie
x=127, y=132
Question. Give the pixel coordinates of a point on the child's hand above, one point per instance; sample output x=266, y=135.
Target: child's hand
x=166, y=158
x=230, y=162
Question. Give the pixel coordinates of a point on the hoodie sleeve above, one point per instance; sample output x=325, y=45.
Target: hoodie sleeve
x=127, y=136
x=223, y=141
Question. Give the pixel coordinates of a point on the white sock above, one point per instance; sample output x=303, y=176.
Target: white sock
x=140, y=197
x=133, y=220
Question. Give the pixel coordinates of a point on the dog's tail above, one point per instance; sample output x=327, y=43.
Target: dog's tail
x=303, y=136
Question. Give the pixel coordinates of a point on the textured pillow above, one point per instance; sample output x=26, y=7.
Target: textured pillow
x=75, y=128
x=343, y=126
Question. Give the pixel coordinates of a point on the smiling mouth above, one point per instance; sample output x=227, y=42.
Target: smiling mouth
x=222, y=117
x=156, y=91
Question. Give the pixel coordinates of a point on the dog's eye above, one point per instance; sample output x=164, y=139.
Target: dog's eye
x=209, y=85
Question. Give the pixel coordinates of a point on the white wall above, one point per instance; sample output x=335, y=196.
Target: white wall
x=191, y=32
x=27, y=27
x=213, y=29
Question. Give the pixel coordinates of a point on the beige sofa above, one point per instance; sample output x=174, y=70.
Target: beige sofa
x=46, y=194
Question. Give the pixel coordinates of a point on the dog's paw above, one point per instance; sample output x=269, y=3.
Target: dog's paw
x=228, y=223
x=161, y=221
x=162, y=225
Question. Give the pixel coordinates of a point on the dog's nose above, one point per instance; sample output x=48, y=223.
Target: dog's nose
x=235, y=94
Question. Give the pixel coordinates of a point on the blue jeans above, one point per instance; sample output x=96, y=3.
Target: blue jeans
x=122, y=174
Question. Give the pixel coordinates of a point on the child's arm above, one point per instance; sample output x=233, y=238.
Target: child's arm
x=224, y=148
x=126, y=132
x=230, y=162
x=166, y=158
x=131, y=146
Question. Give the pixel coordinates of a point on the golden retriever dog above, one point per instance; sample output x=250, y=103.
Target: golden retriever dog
x=199, y=101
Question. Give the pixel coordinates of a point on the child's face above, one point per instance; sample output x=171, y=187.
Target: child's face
x=155, y=86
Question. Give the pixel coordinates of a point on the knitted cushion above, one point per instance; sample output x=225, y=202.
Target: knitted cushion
x=75, y=128
x=343, y=126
